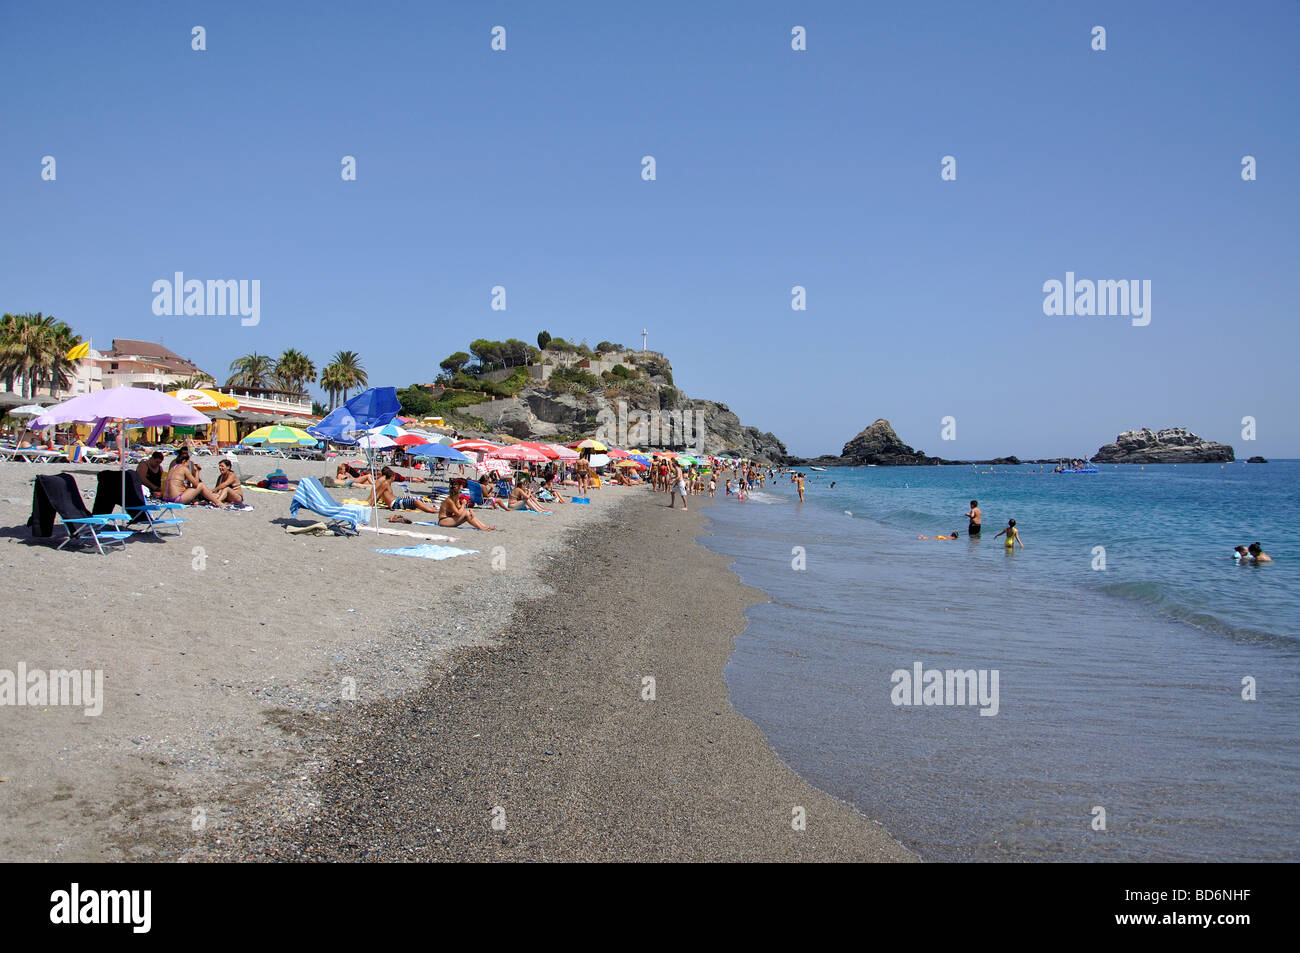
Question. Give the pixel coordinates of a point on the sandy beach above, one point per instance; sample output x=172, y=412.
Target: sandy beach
x=511, y=695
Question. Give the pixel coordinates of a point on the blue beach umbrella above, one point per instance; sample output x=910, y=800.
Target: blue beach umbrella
x=439, y=452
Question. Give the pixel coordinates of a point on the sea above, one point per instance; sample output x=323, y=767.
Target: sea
x=1147, y=703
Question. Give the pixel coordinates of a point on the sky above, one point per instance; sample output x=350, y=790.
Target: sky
x=775, y=168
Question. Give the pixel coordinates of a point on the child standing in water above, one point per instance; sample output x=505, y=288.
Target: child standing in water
x=1013, y=535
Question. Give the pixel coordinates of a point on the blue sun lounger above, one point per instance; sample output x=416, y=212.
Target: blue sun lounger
x=57, y=495
x=311, y=496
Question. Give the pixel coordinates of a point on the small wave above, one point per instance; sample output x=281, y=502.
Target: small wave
x=1154, y=594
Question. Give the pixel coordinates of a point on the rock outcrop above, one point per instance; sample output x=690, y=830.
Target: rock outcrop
x=878, y=444
x=1257, y=460
x=542, y=413
x=1176, y=445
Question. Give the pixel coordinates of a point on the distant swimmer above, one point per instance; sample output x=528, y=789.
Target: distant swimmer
x=1013, y=535
x=832, y=484
x=1241, y=554
x=976, y=519
x=953, y=536
x=1257, y=553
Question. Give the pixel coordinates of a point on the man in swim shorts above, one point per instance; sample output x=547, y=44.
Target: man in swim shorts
x=976, y=519
x=383, y=493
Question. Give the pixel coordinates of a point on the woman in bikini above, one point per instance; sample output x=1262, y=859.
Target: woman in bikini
x=455, y=513
x=183, y=484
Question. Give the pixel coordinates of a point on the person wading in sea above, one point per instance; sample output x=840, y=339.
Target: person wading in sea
x=976, y=518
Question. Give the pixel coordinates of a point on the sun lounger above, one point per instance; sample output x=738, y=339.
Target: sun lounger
x=311, y=496
x=57, y=495
x=109, y=495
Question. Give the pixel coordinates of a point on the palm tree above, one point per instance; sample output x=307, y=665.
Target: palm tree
x=350, y=371
x=35, y=347
x=194, y=382
x=57, y=368
x=294, y=369
x=331, y=383
x=251, y=370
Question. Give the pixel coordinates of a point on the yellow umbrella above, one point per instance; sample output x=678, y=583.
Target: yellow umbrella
x=589, y=445
x=224, y=401
x=198, y=399
x=278, y=433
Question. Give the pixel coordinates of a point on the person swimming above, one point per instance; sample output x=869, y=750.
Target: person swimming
x=1012, y=534
x=1257, y=553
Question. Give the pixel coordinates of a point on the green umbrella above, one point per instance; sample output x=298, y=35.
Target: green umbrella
x=280, y=434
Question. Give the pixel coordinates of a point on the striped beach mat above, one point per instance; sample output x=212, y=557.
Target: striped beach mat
x=428, y=551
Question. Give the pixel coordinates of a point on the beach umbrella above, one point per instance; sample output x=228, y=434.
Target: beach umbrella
x=437, y=451
x=224, y=401
x=641, y=458
x=545, y=449
x=588, y=444
x=477, y=446
x=599, y=460
x=374, y=407
x=375, y=441
x=617, y=454
x=148, y=408
x=630, y=464
x=414, y=438
x=280, y=434
x=520, y=452
x=198, y=399
x=564, y=452
x=391, y=430
x=28, y=410
x=371, y=408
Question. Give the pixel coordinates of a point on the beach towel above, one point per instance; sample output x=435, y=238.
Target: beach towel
x=579, y=499
x=428, y=551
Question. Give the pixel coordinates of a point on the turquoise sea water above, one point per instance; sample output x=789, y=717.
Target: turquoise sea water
x=1118, y=688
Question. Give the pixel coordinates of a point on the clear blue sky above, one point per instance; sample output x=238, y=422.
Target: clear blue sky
x=775, y=168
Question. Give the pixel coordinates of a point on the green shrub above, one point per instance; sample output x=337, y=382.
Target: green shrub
x=576, y=375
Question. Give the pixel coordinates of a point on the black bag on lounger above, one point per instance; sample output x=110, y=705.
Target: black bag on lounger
x=55, y=494
x=108, y=495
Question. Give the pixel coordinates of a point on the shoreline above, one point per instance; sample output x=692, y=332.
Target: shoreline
x=547, y=730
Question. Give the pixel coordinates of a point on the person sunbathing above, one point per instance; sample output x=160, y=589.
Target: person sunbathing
x=522, y=497
x=491, y=499
x=347, y=475
x=183, y=484
x=455, y=513
x=228, y=488
x=382, y=493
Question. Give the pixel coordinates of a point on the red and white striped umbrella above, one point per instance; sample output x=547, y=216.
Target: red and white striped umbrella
x=545, y=449
x=475, y=446
x=519, y=452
